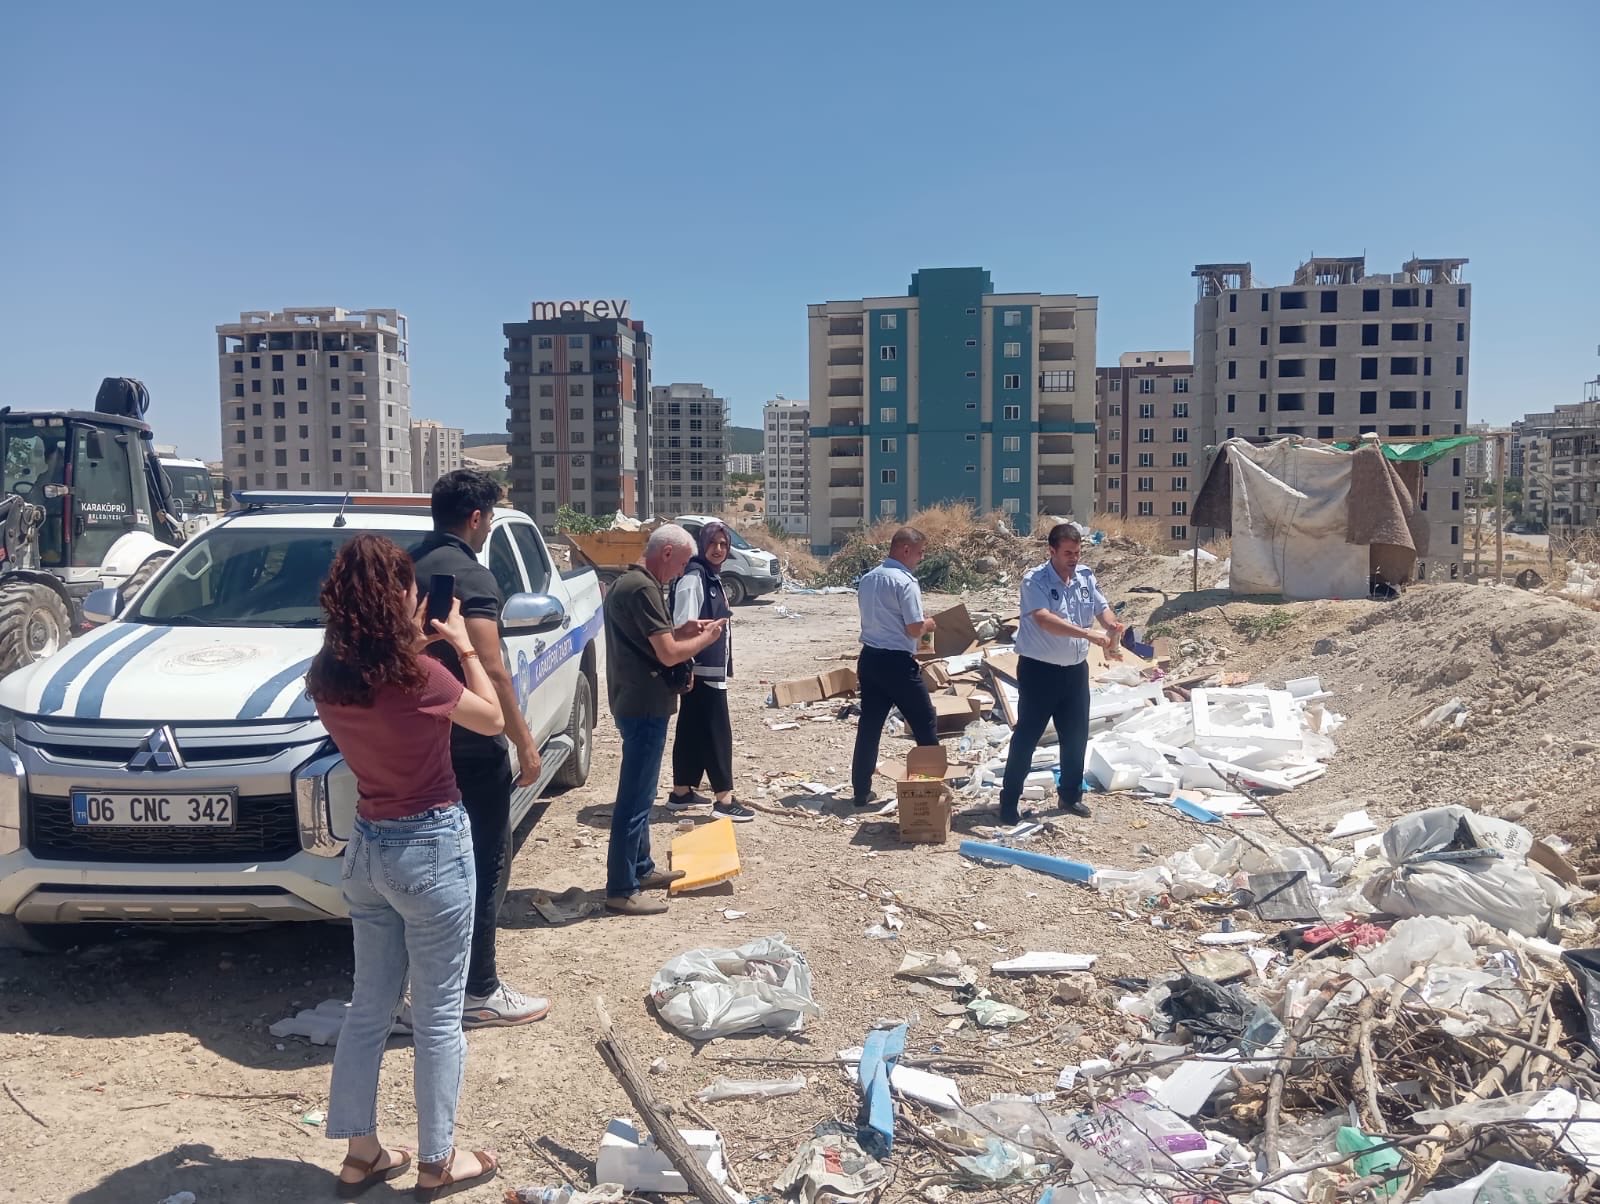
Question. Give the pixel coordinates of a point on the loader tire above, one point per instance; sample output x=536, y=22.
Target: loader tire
x=34, y=623
x=136, y=579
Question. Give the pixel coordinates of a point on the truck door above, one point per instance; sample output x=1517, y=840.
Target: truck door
x=562, y=649
x=523, y=651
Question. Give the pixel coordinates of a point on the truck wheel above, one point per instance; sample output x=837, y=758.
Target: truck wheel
x=574, y=770
x=138, y=577
x=734, y=588
x=34, y=623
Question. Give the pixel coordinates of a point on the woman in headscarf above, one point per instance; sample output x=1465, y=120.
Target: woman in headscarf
x=703, y=747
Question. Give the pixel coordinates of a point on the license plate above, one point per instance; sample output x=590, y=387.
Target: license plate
x=127, y=809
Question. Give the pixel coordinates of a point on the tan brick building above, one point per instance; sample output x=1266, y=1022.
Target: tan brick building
x=1148, y=456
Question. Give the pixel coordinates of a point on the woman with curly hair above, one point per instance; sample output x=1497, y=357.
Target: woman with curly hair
x=408, y=873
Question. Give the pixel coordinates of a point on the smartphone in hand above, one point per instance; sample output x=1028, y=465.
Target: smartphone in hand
x=441, y=593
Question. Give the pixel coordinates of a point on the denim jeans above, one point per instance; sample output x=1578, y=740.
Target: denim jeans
x=628, y=858
x=410, y=886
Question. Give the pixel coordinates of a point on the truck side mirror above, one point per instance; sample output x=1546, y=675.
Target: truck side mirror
x=101, y=606
x=530, y=614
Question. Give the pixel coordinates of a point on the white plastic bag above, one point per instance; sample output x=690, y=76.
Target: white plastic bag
x=707, y=993
x=1504, y=1183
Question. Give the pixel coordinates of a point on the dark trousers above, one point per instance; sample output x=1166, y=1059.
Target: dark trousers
x=703, y=746
x=485, y=781
x=628, y=859
x=1047, y=693
x=887, y=679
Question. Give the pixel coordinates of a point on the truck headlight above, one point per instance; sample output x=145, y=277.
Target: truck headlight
x=313, y=815
x=8, y=728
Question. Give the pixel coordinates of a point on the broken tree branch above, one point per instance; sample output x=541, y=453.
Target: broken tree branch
x=619, y=1060
x=26, y=1111
x=1280, y=1069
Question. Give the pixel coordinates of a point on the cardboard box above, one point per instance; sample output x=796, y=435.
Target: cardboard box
x=934, y=676
x=952, y=712
x=923, y=795
x=954, y=632
x=835, y=683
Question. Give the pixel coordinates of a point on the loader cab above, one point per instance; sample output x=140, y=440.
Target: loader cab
x=87, y=472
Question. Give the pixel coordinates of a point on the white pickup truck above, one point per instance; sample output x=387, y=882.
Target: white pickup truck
x=168, y=766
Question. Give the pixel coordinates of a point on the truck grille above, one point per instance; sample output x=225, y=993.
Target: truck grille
x=267, y=830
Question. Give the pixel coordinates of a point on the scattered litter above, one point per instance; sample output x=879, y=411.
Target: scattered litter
x=723, y=1089
x=1354, y=823
x=942, y=969
x=879, y=1054
x=991, y=1013
x=631, y=1159
x=1056, y=867
x=182, y=1197
x=319, y=1025
x=1505, y=1183
x=314, y=1117
x=1045, y=963
x=783, y=727
x=833, y=1167
x=729, y=913
x=1230, y=938
x=707, y=854
x=763, y=985
x=565, y=908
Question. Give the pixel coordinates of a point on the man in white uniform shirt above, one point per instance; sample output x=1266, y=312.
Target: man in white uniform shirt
x=1061, y=601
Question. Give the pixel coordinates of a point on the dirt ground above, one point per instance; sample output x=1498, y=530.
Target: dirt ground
x=147, y=1062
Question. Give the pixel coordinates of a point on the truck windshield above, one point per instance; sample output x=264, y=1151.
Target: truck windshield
x=192, y=486
x=238, y=577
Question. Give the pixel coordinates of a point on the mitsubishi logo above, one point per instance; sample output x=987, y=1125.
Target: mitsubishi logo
x=160, y=751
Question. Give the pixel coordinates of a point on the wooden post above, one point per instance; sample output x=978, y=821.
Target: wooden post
x=1477, y=521
x=1500, y=523
x=657, y=1119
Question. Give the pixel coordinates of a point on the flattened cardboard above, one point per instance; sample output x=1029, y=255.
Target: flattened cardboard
x=952, y=713
x=835, y=683
x=954, y=632
x=934, y=676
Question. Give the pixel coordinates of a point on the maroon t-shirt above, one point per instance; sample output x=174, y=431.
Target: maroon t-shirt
x=399, y=746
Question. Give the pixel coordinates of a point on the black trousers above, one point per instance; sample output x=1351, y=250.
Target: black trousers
x=1047, y=693
x=703, y=746
x=887, y=679
x=485, y=781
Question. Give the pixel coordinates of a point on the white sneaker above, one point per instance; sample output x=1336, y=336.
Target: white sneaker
x=402, y=1020
x=503, y=1008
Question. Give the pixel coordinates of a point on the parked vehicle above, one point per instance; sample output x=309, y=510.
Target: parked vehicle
x=169, y=766
x=748, y=573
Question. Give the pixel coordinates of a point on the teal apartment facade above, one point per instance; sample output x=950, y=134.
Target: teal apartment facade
x=950, y=393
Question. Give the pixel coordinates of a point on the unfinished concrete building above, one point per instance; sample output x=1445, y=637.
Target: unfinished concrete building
x=1339, y=353
x=1561, y=465
x=688, y=450
x=316, y=399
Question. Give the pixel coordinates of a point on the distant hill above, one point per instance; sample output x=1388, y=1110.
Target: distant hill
x=742, y=440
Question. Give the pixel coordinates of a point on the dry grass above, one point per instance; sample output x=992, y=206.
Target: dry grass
x=792, y=551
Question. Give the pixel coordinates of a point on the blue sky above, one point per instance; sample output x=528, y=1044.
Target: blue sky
x=167, y=165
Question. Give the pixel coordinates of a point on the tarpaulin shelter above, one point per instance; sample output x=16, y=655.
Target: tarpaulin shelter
x=1314, y=520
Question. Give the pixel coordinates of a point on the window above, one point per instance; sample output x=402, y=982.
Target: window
x=1291, y=368
x=1291, y=401
x=888, y=384
x=1369, y=367
x=305, y=455
x=1011, y=413
x=1180, y=409
x=546, y=343
x=1427, y=365
x=238, y=365
x=889, y=414
x=1180, y=509
x=1330, y=336
x=1012, y=380
x=1180, y=484
x=1179, y=531
x=1114, y=458
x=1180, y=460
x=1180, y=384
x=1233, y=366
x=1147, y=434
x=1146, y=509
x=303, y=408
x=1369, y=403
x=1461, y=365
x=1060, y=382
x=1147, y=459
x=1326, y=369
x=1230, y=403
x=1261, y=402
x=1369, y=300
x=1180, y=435
x=338, y=455
x=547, y=390
x=1266, y=302
x=575, y=388
x=255, y=386
x=333, y=385
x=1012, y=351
x=1011, y=443
x=1263, y=373
x=575, y=342
x=972, y=342
x=889, y=352
x=1402, y=365
x=1324, y=432
x=1147, y=385
x=1330, y=301
x=1148, y=410
x=1113, y=482
x=280, y=459
x=1013, y=317
x=277, y=363
x=1291, y=334
x=1427, y=332
x=1233, y=336
x=1402, y=399
x=886, y=507
x=1404, y=429
x=1404, y=298
x=1461, y=332
x=1264, y=334
x=1233, y=303
x=1324, y=403
x=1403, y=332
x=1011, y=475
x=1145, y=484
x=333, y=361
x=889, y=476
x=280, y=434
x=238, y=388
x=1458, y=399
x=888, y=446
x=255, y=361
x=305, y=432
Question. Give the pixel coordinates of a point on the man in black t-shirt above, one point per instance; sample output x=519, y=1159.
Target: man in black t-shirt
x=463, y=509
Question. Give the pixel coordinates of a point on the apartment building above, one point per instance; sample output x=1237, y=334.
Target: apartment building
x=688, y=450
x=746, y=464
x=1149, y=456
x=951, y=393
x=435, y=450
x=578, y=401
x=1561, y=465
x=1336, y=354
x=786, y=429
x=316, y=399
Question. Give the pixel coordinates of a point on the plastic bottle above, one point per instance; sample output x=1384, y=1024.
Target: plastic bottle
x=543, y=1195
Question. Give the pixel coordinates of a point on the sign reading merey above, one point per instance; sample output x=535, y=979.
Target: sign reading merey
x=543, y=310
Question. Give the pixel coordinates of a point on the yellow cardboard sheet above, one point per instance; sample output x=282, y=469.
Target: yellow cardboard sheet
x=706, y=854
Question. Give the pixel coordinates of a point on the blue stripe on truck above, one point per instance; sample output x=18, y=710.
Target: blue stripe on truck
x=93, y=695
x=55, y=690
x=267, y=692
x=528, y=675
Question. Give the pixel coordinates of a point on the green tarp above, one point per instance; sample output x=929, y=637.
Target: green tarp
x=1425, y=452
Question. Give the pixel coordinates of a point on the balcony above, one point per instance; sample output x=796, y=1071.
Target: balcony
x=845, y=388
x=1051, y=320
x=844, y=451
x=848, y=325
x=845, y=355
x=1053, y=352
x=843, y=372
x=845, y=479
x=845, y=504
x=844, y=415
x=1055, y=477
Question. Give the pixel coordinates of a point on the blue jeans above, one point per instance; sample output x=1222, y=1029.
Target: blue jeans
x=628, y=858
x=410, y=885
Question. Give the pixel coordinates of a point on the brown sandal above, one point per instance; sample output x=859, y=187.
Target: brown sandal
x=448, y=1183
x=370, y=1174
